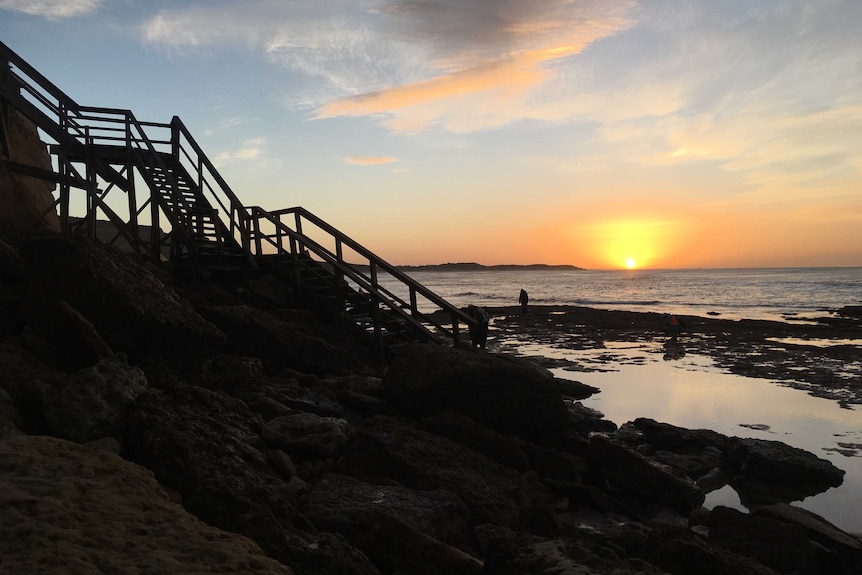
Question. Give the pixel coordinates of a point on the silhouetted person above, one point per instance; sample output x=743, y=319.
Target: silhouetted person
x=523, y=299
x=672, y=325
x=479, y=328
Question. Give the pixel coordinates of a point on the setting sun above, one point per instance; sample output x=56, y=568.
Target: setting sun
x=631, y=263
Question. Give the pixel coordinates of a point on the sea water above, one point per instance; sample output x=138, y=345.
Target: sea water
x=690, y=391
x=782, y=294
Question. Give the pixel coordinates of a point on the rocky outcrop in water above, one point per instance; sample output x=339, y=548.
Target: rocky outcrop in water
x=194, y=428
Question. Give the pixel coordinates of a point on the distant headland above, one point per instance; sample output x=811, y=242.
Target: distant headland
x=472, y=267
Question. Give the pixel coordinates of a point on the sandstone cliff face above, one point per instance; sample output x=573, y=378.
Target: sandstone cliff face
x=24, y=200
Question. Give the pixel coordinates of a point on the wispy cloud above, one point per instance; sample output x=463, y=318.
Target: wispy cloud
x=251, y=150
x=461, y=65
x=52, y=9
x=368, y=160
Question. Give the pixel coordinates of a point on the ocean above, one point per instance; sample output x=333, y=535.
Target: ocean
x=774, y=293
x=692, y=391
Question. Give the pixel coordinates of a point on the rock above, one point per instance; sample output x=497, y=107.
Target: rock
x=26, y=203
x=75, y=339
x=504, y=449
x=634, y=473
x=206, y=445
x=523, y=554
x=397, y=527
x=713, y=480
x=672, y=438
x=553, y=464
x=771, y=471
x=70, y=509
x=91, y=403
x=104, y=285
x=818, y=529
x=365, y=404
x=278, y=342
x=307, y=435
x=585, y=420
x=781, y=546
x=507, y=394
x=606, y=528
x=227, y=373
x=680, y=551
x=391, y=449
x=10, y=419
x=575, y=389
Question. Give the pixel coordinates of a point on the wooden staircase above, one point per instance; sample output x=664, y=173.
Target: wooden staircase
x=152, y=175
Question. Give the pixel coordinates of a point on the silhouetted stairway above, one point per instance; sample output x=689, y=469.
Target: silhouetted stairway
x=160, y=173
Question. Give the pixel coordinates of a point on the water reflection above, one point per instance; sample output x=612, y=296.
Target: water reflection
x=689, y=392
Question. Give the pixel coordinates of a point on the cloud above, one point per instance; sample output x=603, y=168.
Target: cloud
x=465, y=65
x=52, y=9
x=250, y=150
x=368, y=160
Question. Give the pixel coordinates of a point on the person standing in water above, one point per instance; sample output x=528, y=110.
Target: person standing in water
x=523, y=299
x=479, y=332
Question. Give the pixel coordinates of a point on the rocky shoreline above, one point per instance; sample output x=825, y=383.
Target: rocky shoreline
x=148, y=426
x=821, y=355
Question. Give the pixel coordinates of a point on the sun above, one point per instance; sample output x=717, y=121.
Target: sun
x=631, y=263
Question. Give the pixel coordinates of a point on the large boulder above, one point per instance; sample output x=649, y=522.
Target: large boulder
x=130, y=308
x=508, y=394
x=71, y=509
x=633, y=473
x=91, y=403
x=283, y=341
x=781, y=546
x=307, y=435
x=504, y=449
x=681, y=551
x=847, y=547
x=772, y=472
x=397, y=527
x=392, y=449
x=26, y=203
x=524, y=554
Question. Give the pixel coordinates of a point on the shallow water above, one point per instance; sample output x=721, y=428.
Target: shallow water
x=690, y=392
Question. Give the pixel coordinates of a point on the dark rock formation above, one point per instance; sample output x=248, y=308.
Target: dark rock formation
x=510, y=395
x=130, y=308
x=771, y=471
x=632, y=472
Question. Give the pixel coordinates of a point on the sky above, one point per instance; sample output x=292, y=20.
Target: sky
x=596, y=133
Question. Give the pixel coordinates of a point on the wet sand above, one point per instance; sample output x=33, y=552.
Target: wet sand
x=821, y=355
